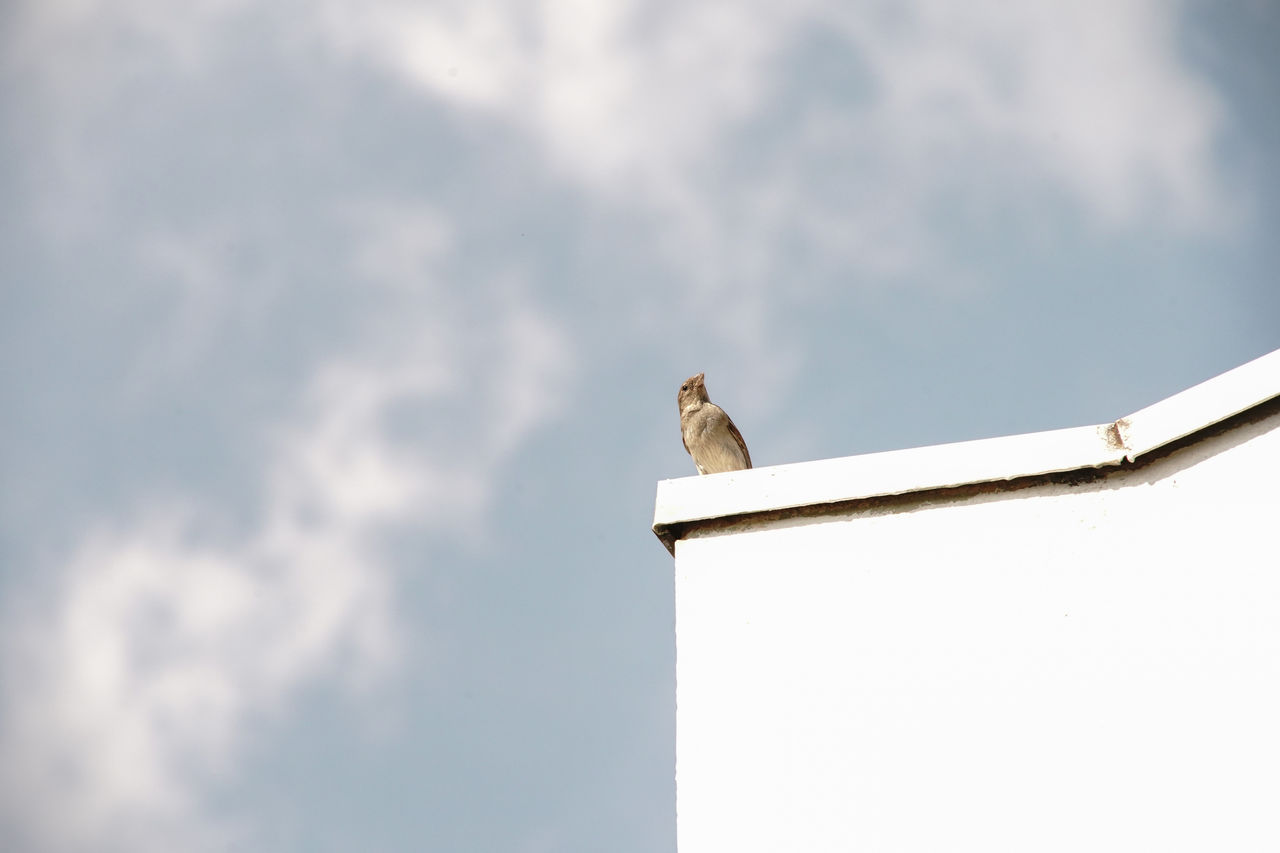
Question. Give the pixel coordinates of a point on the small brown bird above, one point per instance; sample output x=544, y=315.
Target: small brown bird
x=709, y=434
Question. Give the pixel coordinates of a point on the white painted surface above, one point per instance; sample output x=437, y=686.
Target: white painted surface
x=1055, y=668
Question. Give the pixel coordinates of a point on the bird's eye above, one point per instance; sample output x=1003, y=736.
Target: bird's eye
x=684, y=387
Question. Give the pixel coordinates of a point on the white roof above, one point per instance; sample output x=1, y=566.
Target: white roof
x=683, y=503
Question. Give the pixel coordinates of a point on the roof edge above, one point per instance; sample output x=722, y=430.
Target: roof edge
x=690, y=501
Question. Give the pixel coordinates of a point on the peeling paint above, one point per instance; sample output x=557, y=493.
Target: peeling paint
x=1122, y=428
x=1111, y=434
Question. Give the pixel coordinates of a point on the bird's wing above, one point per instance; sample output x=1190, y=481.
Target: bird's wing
x=733, y=428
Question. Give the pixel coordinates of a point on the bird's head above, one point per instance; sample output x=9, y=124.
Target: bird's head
x=692, y=392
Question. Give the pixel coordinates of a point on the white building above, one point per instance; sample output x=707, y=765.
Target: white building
x=1058, y=641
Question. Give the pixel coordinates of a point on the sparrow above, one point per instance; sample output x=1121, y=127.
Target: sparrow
x=708, y=433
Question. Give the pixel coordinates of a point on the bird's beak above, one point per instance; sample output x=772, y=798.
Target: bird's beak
x=698, y=378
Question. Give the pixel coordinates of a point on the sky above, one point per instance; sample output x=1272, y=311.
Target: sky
x=339, y=348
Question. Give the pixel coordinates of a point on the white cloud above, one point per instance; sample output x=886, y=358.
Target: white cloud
x=1092, y=95
x=960, y=115
x=976, y=109
x=132, y=679
x=622, y=95
x=632, y=97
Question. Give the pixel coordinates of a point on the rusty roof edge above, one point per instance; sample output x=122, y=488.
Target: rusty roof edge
x=688, y=501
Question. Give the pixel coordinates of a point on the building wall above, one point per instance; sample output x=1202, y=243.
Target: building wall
x=1057, y=668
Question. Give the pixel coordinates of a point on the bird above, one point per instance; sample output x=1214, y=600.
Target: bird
x=708, y=432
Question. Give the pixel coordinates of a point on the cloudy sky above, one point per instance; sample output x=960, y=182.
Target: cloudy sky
x=339, y=344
